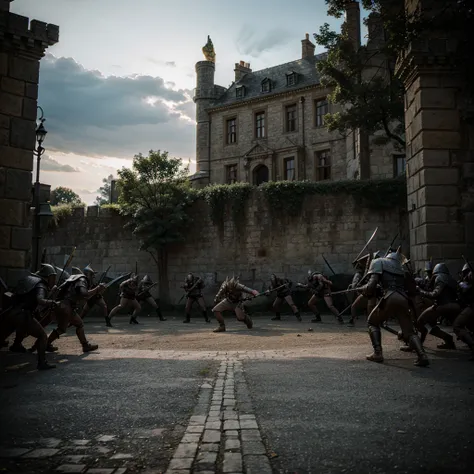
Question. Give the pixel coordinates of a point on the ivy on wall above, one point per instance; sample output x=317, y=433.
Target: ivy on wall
x=225, y=199
x=284, y=198
x=287, y=197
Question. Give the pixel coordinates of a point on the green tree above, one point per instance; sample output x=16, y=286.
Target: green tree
x=104, y=191
x=156, y=194
x=364, y=81
x=63, y=195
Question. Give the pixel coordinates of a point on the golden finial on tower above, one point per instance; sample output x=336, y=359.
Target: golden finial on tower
x=208, y=51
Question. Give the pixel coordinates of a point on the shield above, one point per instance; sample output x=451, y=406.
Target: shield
x=116, y=280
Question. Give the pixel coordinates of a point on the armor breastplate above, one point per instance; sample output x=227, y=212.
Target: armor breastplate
x=196, y=291
x=71, y=292
x=449, y=292
x=393, y=275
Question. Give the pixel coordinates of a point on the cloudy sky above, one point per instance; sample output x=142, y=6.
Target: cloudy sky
x=120, y=80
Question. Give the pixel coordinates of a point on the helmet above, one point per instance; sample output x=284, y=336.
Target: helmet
x=88, y=271
x=429, y=266
x=189, y=277
x=440, y=268
x=76, y=271
x=134, y=278
x=46, y=270
x=394, y=256
x=146, y=279
x=273, y=277
x=466, y=268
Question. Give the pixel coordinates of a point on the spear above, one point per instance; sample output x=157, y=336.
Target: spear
x=148, y=289
x=333, y=272
x=189, y=291
x=104, y=274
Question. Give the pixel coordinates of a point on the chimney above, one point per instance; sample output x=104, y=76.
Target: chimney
x=307, y=50
x=376, y=30
x=351, y=25
x=241, y=69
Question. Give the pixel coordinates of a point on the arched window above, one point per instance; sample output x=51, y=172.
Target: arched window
x=260, y=175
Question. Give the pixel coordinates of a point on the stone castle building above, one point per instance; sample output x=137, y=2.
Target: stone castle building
x=268, y=125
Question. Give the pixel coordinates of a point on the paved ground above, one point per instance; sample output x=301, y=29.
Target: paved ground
x=176, y=398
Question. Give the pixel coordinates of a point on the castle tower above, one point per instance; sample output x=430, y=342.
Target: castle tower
x=22, y=45
x=203, y=97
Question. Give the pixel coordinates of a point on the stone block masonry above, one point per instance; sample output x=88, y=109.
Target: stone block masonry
x=22, y=45
x=335, y=226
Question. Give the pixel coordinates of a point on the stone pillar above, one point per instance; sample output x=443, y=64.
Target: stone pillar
x=440, y=151
x=22, y=45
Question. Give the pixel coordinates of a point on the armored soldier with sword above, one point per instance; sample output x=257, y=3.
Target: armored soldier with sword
x=445, y=305
x=394, y=302
x=97, y=299
x=72, y=294
x=193, y=287
x=463, y=325
x=31, y=292
x=144, y=295
x=282, y=286
x=230, y=298
x=128, y=299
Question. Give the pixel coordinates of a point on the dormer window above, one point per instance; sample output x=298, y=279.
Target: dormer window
x=240, y=92
x=266, y=85
x=291, y=78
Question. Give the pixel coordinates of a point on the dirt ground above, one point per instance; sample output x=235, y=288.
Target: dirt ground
x=198, y=336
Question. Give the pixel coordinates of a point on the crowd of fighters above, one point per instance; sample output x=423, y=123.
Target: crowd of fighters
x=384, y=285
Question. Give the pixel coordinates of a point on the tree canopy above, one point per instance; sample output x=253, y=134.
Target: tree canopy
x=63, y=195
x=155, y=193
x=363, y=79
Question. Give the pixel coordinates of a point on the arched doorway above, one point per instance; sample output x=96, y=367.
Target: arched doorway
x=260, y=175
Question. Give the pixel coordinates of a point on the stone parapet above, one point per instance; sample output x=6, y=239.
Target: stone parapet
x=333, y=225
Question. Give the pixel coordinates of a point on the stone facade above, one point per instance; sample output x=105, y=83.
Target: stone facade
x=440, y=149
x=230, y=148
x=331, y=225
x=22, y=45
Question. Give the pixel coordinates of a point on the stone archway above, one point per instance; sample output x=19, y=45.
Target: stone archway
x=260, y=175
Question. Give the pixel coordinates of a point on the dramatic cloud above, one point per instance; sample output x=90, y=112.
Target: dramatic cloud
x=48, y=164
x=253, y=42
x=93, y=115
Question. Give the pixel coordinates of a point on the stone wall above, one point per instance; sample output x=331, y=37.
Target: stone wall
x=440, y=148
x=331, y=225
x=22, y=44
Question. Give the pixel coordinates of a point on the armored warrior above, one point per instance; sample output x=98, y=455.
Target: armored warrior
x=193, y=287
x=283, y=293
x=128, y=299
x=320, y=287
x=144, y=295
x=230, y=298
x=97, y=299
x=72, y=294
x=394, y=302
x=32, y=292
x=463, y=325
x=361, y=301
x=445, y=306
